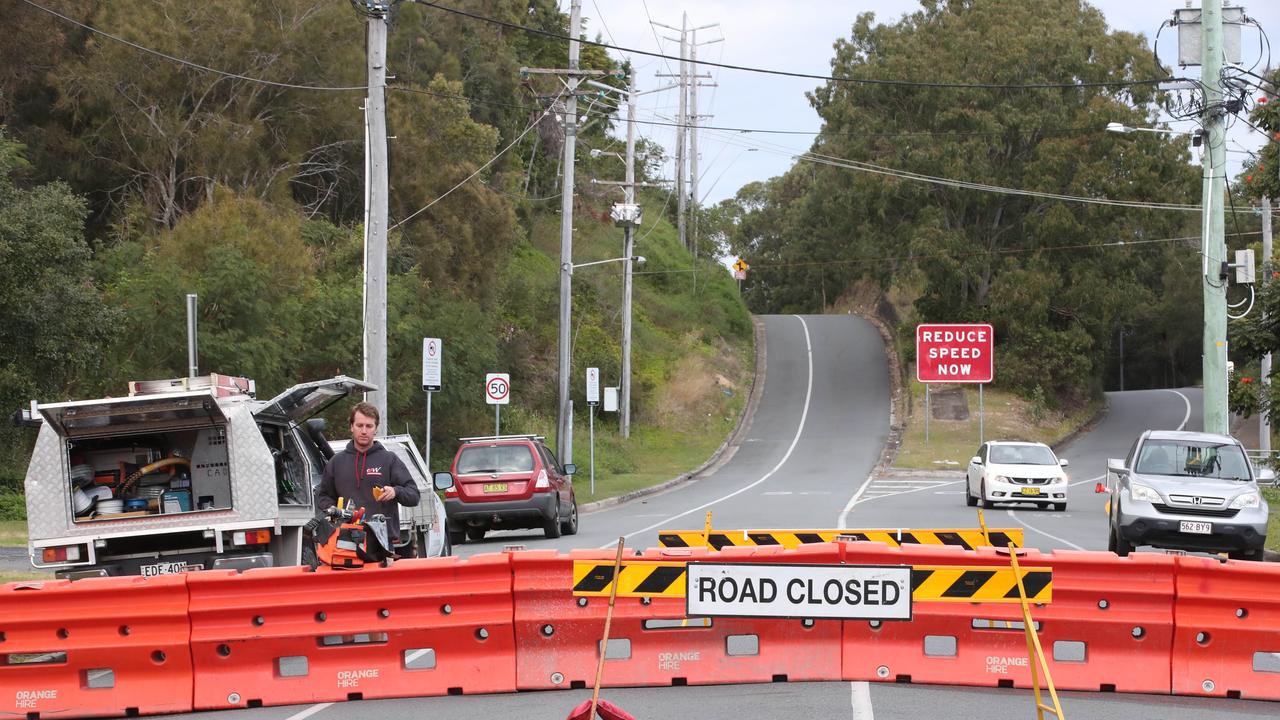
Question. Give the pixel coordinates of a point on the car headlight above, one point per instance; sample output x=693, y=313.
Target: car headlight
x=1060, y=480
x=1246, y=500
x=1144, y=493
x=1001, y=479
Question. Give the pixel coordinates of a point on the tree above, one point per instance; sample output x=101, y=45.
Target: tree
x=53, y=323
x=979, y=254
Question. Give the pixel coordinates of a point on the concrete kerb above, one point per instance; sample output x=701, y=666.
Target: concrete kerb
x=722, y=453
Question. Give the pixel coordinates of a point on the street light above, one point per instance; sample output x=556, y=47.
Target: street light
x=638, y=259
x=1123, y=129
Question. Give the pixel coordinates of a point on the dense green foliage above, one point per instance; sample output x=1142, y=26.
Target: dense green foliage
x=1048, y=274
x=139, y=179
x=1258, y=332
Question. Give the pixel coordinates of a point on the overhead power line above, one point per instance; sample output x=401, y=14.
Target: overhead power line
x=806, y=76
x=166, y=56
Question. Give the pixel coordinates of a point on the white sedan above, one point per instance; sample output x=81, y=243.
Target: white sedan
x=1021, y=472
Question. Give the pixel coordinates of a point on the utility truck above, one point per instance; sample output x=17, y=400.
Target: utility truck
x=192, y=474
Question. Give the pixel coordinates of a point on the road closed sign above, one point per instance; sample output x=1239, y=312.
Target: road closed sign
x=955, y=353
x=497, y=388
x=849, y=592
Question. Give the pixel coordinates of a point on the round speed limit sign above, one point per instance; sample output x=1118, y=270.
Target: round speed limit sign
x=497, y=388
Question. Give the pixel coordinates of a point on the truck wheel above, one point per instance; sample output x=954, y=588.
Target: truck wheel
x=475, y=534
x=457, y=537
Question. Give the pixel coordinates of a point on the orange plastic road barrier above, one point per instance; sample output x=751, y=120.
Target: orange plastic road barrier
x=651, y=643
x=1226, y=639
x=1109, y=625
x=279, y=636
x=93, y=648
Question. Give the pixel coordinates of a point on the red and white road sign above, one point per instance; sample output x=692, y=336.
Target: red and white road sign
x=432, y=351
x=497, y=388
x=955, y=353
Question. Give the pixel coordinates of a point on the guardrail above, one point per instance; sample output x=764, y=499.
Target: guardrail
x=1147, y=623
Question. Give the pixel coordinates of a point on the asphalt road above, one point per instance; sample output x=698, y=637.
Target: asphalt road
x=936, y=499
x=822, y=421
x=805, y=462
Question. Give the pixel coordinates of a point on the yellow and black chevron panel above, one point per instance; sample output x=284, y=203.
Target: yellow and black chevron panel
x=929, y=583
x=636, y=579
x=949, y=583
x=968, y=538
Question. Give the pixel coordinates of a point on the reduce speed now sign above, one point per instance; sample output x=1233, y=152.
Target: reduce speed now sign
x=947, y=353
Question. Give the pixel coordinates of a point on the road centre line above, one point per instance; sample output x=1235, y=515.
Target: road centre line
x=309, y=711
x=804, y=415
x=1068, y=543
x=860, y=699
x=1186, y=400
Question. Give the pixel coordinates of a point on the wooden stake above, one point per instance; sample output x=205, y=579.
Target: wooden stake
x=608, y=620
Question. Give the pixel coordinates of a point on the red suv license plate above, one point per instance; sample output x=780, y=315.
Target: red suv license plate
x=495, y=487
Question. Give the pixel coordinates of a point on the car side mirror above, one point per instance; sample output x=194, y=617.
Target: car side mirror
x=1115, y=465
x=442, y=480
x=1063, y=462
x=976, y=460
x=1267, y=475
x=570, y=468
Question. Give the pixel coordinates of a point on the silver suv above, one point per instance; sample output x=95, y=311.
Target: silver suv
x=1187, y=491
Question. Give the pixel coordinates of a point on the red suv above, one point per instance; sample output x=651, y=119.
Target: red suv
x=506, y=482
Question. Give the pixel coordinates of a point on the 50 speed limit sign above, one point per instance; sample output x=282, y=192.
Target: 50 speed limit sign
x=497, y=388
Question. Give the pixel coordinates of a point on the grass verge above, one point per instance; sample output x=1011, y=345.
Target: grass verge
x=8, y=576
x=1272, y=495
x=13, y=533
x=1007, y=417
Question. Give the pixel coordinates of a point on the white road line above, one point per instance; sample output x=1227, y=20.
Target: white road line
x=804, y=415
x=1086, y=482
x=1068, y=543
x=860, y=699
x=309, y=711
x=1186, y=417
x=891, y=494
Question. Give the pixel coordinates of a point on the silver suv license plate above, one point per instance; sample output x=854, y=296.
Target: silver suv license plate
x=164, y=568
x=1196, y=528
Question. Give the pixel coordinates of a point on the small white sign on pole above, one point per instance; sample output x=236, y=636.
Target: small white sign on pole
x=843, y=592
x=432, y=352
x=497, y=388
x=593, y=386
x=611, y=399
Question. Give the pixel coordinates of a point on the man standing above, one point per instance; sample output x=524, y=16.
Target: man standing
x=367, y=474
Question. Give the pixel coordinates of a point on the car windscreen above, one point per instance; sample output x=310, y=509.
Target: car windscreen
x=1022, y=455
x=495, y=459
x=1192, y=459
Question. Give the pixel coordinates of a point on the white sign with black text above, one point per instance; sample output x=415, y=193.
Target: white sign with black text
x=845, y=592
x=497, y=388
x=593, y=386
x=432, y=350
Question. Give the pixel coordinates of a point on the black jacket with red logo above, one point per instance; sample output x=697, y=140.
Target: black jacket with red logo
x=352, y=475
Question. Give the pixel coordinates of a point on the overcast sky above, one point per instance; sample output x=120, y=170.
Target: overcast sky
x=797, y=35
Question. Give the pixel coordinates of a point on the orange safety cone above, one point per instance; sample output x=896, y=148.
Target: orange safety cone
x=589, y=709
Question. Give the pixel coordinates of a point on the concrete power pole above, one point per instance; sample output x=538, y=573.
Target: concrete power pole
x=682, y=130
x=564, y=414
x=375, y=227
x=628, y=235
x=694, y=117
x=1264, y=420
x=1214, y=367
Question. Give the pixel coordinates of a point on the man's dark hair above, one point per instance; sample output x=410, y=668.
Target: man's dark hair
x=366, y=409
